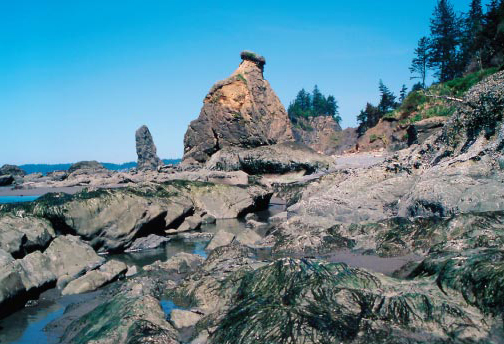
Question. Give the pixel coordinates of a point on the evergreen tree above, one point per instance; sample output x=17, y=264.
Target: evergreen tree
x=420, y=63
x=492, y=35
x=368, y=118
x=319, y=102
x=445, y=37
x=417, y=87
x=472, y=27
x=387, y=99
x=403, y=94
x=332, y=108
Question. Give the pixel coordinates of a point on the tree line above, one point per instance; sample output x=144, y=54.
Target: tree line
x=313, y=104
x=457, y=45
x=461, y=44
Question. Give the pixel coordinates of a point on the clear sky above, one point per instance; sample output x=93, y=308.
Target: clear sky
x=77, y=78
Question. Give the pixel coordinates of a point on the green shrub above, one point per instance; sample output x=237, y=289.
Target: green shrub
x=373, y=138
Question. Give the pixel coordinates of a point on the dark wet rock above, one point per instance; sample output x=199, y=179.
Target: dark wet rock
x=6, y=180
x=146, y=150
x=273, y=159
x=208, y=219
x=146, y=243
x=12, y=170
x=95, y=279
x=419, y=131
x=241, y=111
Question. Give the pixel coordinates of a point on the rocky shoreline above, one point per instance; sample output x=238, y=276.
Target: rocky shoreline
x=440, y=203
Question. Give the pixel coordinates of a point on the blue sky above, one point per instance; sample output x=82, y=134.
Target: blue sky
x=77, y=78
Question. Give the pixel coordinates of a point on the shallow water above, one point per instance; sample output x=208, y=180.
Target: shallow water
x=16, y=199
x=26, y=326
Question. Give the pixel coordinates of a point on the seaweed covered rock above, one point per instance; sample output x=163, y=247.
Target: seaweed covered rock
x=131, y=314
x=146, y=150
x=241, y=111
x=307, y=301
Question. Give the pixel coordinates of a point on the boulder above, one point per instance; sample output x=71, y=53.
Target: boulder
x=6, y=180
x=221, y=238
x=225, y=202
x=248, y=237
x=146, y=150
x=183, y=319
x=190, y=223
x=57, y=175
x=94, y=279
x=21, y=235
x=13, y=170
x=146, y=243
x=181, y=263
x=241, y=111
x=66, y=258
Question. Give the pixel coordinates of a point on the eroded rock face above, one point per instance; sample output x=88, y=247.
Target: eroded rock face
x=241, y=111
x=146, y=150
x=319, y=133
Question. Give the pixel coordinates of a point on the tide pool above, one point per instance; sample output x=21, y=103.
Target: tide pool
x=16, y=199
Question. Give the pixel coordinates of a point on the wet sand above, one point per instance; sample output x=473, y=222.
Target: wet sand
x=385, y=266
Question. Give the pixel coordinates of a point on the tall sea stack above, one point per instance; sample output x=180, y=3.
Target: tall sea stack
x=240, y=111
x=146, y=150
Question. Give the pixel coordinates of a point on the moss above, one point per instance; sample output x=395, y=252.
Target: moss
x=241, y=78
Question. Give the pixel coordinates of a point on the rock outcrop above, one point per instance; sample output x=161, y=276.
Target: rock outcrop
x=146, y=150
x=12, y=170
x=319, y=133
x=66, y=258
x=88, y=167
x=241, y=111
x=273, y=159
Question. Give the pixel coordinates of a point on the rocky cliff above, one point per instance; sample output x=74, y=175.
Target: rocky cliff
x=146, y=150
x=240, y=111
x=319, y=133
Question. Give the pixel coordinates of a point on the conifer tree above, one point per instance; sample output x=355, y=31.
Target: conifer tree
x=420, y=63
x=472, y=27
x=387, y=99
x=445, y=38
x=403, y=93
